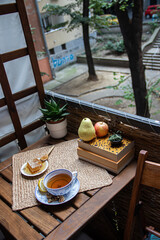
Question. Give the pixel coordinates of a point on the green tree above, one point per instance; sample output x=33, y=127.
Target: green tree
x=79, y=13
x=131, y=29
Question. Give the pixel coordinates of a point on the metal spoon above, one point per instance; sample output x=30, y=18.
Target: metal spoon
x=45, y=157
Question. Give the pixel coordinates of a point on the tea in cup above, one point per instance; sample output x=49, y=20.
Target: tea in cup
x=60, y=181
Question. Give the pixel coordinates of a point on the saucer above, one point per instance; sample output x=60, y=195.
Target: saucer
x=45, y=166
x=42, y=198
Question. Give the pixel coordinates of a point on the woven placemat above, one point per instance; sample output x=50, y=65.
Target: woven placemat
x=64, y=155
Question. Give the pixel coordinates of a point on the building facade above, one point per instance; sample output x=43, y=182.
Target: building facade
x=150, y=2
x=56, y=47
x=63, y=46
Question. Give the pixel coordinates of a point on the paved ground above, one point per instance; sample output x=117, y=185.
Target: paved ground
x=66, y=79
x=72, y=81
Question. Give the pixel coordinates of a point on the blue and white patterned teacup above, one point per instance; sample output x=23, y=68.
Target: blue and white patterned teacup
x=58, y=190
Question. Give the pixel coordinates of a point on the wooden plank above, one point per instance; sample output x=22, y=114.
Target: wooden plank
x=8, y=8
x=70, y=136
x=7, y=173
x=9, y=138
x=13, y=223
x=63, y=211
x=80, y=199
x=92, y=192
x=24, y=93
x=5, y=164
x=19, y=95
x=78, y=219
x=38, y=217
x=41, y=219
x=9, y=56
x=31, y=49
x=33, y=126
x=134, y=197
x=6, y=190
x=151, y=174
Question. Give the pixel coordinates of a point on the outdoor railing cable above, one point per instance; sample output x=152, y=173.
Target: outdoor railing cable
x=113, y=114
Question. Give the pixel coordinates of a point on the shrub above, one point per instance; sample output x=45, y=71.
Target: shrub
x=117, y=47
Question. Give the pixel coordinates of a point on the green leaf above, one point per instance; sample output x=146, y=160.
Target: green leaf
x=131, y=105
x=109, y=87
x=44, y=111
x=157, y=112
x=54, y=104
x=118, y=102
x=64, y=114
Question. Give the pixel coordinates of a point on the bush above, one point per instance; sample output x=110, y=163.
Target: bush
x=117, y=47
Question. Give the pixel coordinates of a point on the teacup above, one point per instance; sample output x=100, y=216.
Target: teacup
x=60, y=181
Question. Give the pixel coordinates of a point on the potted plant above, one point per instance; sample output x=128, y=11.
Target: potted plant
x=116, y=139
x=55, y=117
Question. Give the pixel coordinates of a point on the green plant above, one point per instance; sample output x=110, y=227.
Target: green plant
x=53, y=111
x=40, y=54
x=128, y=91
x=117, y=47
x=152, y=88
x=44, y=74
x=116, y=137
x=153, y=26
x=56, y=26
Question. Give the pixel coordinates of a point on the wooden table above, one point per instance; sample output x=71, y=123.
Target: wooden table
x=55, y=222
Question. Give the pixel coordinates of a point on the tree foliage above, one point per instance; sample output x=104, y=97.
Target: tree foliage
x=95, y=19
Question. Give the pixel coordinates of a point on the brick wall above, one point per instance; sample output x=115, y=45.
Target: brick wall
x=38, y=39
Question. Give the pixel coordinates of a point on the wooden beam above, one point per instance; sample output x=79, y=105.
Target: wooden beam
x=19, y=95
x=14, y=54
x=31, y=49
x=11, y=106
x=8, y=8
x=29, y=128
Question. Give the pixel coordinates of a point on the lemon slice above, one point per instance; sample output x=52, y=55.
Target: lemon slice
x=41, y=185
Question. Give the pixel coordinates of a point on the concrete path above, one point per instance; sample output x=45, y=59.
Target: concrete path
x=69, y=82
x=66, y=76
x=65, y=82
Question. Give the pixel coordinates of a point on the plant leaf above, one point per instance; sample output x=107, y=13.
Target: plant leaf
x=118, y=102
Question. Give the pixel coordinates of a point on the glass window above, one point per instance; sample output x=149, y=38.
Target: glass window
x=52, y=22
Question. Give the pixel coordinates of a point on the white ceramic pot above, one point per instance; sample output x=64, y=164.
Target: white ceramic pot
x=57, y=130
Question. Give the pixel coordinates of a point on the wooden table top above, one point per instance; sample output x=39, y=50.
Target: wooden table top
x=55, y=222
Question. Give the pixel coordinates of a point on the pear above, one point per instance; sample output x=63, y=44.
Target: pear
x=86, y=130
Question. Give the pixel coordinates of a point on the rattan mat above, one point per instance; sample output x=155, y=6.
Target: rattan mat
x=64, y=155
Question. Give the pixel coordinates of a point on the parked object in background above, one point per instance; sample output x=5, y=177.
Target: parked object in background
x=111, y=19
x=55, y=117
x=154, y=17
x=152, y=9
